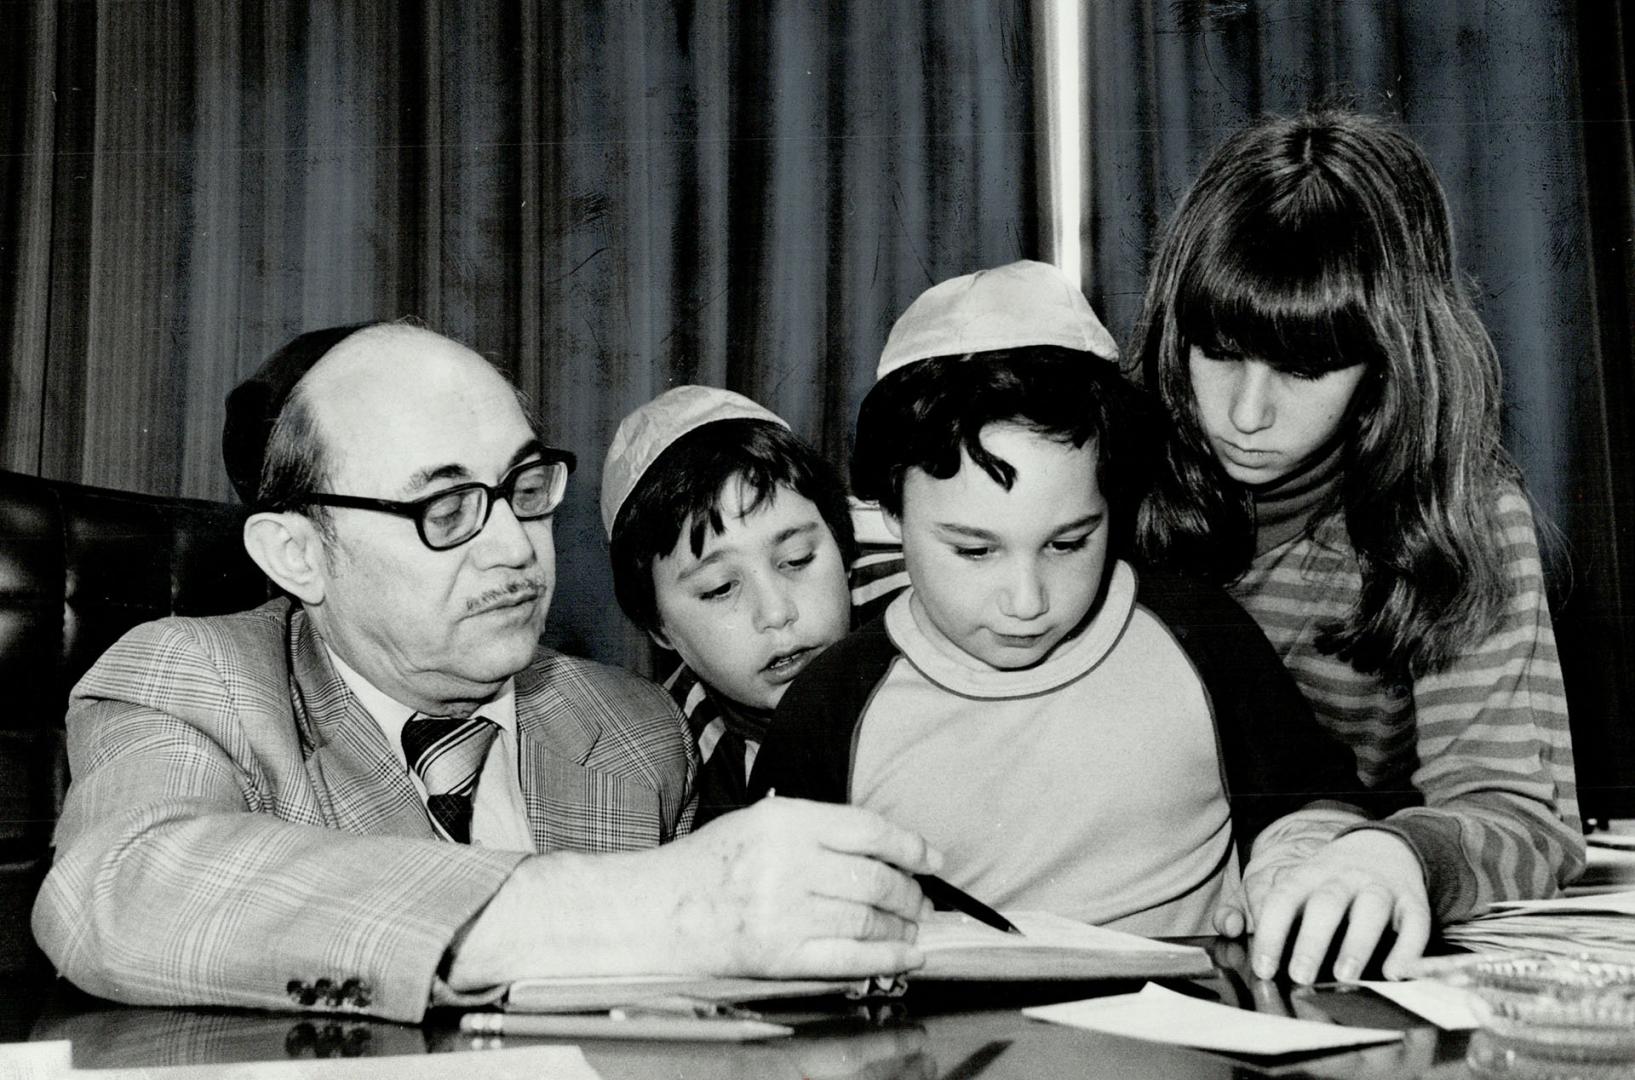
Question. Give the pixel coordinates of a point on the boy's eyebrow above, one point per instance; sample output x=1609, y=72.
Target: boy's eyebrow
x=794, y=531
x=720, y=552
x=707, y=561
x=1084, y=522
x=971, y=532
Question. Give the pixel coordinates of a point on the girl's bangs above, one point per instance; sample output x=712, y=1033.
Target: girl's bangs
x=1300, y=303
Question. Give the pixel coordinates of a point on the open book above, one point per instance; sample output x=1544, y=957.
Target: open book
x=956, y=947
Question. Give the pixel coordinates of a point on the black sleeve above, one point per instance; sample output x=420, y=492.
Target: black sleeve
x=1275, y=756
x=807, y=752
x=721, y=786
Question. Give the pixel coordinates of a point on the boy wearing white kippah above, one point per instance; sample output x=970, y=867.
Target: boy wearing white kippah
x=1074, y=737
x=731, y=539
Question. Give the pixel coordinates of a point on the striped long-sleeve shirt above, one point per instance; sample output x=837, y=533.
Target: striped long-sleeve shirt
x=1485, y=741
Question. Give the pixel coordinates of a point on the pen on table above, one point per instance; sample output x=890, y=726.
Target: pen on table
x=621, y=1024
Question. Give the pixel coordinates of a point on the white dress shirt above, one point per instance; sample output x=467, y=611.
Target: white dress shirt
x=499, y=819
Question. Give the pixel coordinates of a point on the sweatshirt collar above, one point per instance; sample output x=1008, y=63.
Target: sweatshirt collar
x=1072, y=659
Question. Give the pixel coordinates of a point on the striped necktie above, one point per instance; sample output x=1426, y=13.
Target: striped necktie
x=447, y=753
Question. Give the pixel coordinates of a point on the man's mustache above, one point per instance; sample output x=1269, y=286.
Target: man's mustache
x=533, y=586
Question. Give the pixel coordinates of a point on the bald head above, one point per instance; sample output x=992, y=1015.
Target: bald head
x=399, y=417
x=381, y=372
x=387, y=351
x=380, y=387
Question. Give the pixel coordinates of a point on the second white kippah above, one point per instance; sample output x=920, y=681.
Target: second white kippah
x=648, y=432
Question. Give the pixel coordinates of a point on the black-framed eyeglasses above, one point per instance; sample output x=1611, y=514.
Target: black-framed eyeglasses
x=454, y=515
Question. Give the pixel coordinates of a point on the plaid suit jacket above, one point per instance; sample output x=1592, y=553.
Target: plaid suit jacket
x=238, y=831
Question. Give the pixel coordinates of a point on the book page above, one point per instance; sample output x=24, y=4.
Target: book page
x=1618, y=903
x=956, y=946
x=960, y=949
x=1040, y=930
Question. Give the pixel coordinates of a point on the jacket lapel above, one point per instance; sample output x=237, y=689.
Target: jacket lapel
x=572, y=804
x=359, y=783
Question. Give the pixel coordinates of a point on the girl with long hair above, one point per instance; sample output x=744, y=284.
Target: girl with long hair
x=1336, y=463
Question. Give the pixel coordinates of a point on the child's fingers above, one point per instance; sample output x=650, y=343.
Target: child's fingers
x=1272, y=923
x=1413, y=923
x=1229, y=921
x=1371, y=910
x=1325, y=907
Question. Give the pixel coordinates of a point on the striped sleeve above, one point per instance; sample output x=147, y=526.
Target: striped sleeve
x=697, y=708
x=878, y=573
x=1495, y=761
x=724, y=755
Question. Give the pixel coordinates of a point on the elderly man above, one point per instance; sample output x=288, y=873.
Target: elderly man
x=378, y=793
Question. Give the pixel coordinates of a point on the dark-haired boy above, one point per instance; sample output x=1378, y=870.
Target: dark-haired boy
x=1074, y=738
x=730, y=541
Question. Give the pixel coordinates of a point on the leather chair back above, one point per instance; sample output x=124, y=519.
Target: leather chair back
x=78, y=567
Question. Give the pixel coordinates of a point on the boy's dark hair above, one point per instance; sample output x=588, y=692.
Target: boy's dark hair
x=684, y=485
x=923, y=415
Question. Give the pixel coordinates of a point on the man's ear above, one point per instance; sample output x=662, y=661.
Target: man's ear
x=894, y=524
x=289, y=550
x=660, y=638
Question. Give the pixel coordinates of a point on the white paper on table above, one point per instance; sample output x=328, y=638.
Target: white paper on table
x=1606, y=870
x=1610, y=840
x=42, y=1060
x=1160, y=1015
x=1448, y=1007
x=1616, y=903
x=521, y=1063
x=1040, y=929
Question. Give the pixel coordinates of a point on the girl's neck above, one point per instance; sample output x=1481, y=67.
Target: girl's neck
x=1286, y=507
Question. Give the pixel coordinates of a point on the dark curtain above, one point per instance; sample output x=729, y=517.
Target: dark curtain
x=1524, y=109
x=1599, y=632
x=605, y=197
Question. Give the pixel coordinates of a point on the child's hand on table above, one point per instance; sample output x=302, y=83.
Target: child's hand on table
x=1367, y=880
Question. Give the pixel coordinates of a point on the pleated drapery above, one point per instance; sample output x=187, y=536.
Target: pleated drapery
x=605, y=197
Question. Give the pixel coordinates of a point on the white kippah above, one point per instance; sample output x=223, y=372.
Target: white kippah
x=1019, y=304
x=648, y=432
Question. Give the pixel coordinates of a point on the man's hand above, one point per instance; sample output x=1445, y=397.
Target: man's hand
x=784, y=888
x=794, y=888
x=1368, y=880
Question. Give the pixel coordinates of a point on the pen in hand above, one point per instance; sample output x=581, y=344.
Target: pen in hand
x=946, y=896
x=943, y=895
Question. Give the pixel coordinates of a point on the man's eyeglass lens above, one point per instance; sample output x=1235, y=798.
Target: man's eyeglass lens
x=533, y=492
